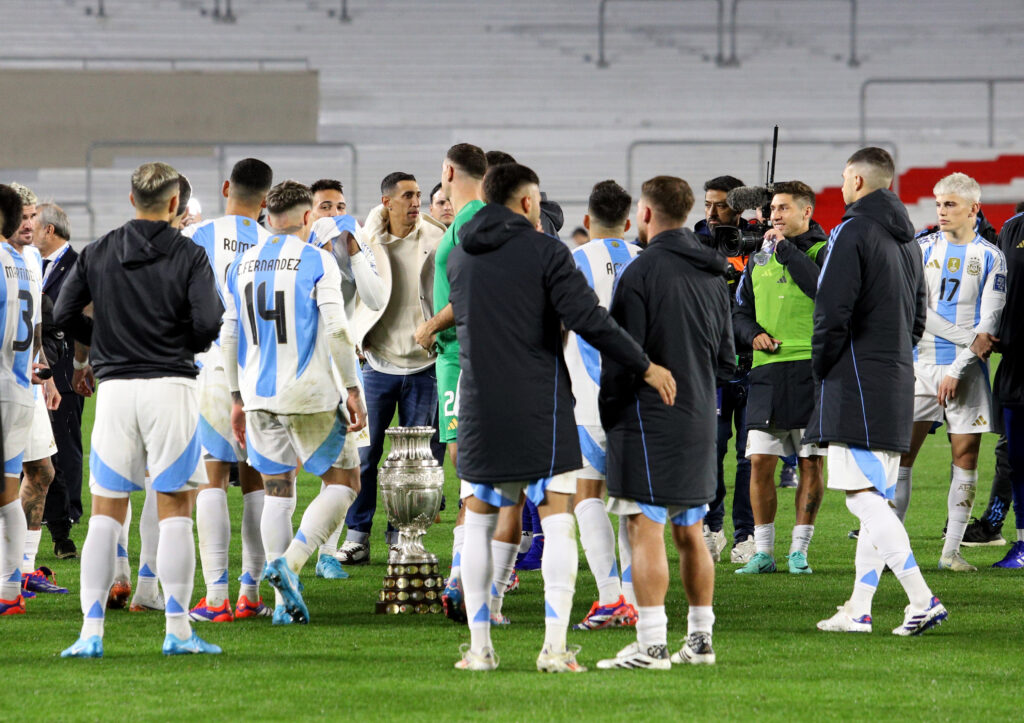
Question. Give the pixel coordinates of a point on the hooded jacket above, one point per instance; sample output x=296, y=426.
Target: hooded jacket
x=869, y=312
x=673, y=299
x=512, y=289
x=155, y=301
x=781, y=393
x=1009, y=382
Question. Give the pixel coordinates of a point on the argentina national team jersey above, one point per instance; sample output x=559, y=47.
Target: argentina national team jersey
x=273, y=291
x=966, y=286
x=20, y=312
x=601, y=261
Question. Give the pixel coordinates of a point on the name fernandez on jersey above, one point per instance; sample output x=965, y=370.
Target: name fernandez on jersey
x=252, y=266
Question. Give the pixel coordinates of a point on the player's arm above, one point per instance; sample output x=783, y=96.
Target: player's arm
x=444, y=319
x=747, y=331
x=838, y=288
x=800, y=266
x=339, y=340
x=369, y=285
x=207, y=309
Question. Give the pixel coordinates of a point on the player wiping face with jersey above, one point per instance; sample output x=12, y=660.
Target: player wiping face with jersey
x=289, y=356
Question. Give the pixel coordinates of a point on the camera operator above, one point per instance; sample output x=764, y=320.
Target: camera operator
x=732, y=397
x=774, y=315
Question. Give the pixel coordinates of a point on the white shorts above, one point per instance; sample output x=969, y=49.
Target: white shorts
x=276, y=443
x=506, y=494
x=146, y=425
x=855, y=468
x=17, y=423
x=41, y=444
x=780, y=443
x=594, y=447
x=215, y=416
x=970, y=412
x=680, y=516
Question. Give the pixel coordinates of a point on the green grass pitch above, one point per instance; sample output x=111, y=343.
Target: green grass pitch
x=351, y=664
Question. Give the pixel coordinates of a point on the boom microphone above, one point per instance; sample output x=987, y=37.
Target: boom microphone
x=745, y=198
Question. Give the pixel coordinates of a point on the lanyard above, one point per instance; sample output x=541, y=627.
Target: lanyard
x=55, y=262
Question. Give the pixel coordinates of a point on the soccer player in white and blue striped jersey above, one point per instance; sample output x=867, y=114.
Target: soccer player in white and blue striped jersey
x=291, y=362
x=19, y=306
x=601, y=260
x=965, y=276
x=224, y=240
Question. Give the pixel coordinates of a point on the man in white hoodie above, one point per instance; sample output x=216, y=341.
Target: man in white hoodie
x=399, y=373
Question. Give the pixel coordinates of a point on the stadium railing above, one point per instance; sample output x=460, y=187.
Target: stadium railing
x=220, y=149
x=602, y=62
x=990, y=83
x=733, y=59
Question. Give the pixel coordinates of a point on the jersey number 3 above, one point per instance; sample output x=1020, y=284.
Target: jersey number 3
x=276, y=315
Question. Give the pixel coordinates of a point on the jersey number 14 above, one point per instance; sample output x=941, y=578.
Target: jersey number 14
x=276, y=315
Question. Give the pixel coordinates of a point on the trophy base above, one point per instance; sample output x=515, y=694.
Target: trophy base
x=411, y=588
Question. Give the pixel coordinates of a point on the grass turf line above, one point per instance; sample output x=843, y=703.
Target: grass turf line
x=772, y=662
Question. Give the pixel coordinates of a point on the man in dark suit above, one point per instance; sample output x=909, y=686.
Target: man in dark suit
x=64, y=499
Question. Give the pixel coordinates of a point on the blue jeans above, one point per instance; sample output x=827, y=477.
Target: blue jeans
x=415, y=397
x=733, y=410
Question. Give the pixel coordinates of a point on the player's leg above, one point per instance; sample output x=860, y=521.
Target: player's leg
x=854, y=616
x=16, y=420
x=213, y=528
x=809, y=492
x=477, y=572
x=147, y=584
x=697, y=570
x=559, y=568
x=117, y=466
x=504, y=548
x=626, y=561
x=122, y=587
x=723, y=431
x=168, y=413
x=1013, y=426
x=927, y=412
x=742, y=514
x=453, y=598
x=960, y=501
x=38, y=474
x=382, y=392
x=598, y=539
x=650, y=582
x=987, y=530
x=763, y=450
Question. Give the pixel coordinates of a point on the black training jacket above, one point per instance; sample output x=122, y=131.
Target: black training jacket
x=512, y=289
x=673, y=299
x=155, y=302
x=1009, y=382
x=869, y=312
x=782, y=393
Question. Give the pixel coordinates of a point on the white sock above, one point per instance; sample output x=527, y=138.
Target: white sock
x=253, y=555
x=97, y=573
x=764, y=538
x=122, y=566
x=889, y=537
x=904, y=485
x=598, y=539
x=14, y=527
x=28, y=561
x=176, y=559
x=626, y=560
x=458, y=538
x=477, y=571
x=1020, y=535
x=869, y=566
x=321, y=518
x=651, y=626
x=525, y=543
x=276, y=528
x=802, y=535
x=700, y=619
x=147, y=584
x=559, y=567
x=213, y=527
x=959, y=504
x=503, y=562
x=330, y=545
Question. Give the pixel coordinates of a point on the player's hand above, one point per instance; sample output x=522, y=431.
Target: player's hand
x=37, y=378
x=356, y=410
x=50, y=395
x=773, y=234
x=983, y=345
x=662, y=380
x=423, y=336
x=353, y=245
x=238, y=423
x=764, y=342
x=947, y=389
x=83, y=381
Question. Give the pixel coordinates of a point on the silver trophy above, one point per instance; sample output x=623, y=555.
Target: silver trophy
x=412, y=484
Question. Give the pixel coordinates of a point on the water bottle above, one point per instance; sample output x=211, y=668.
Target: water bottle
x=766, y=251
